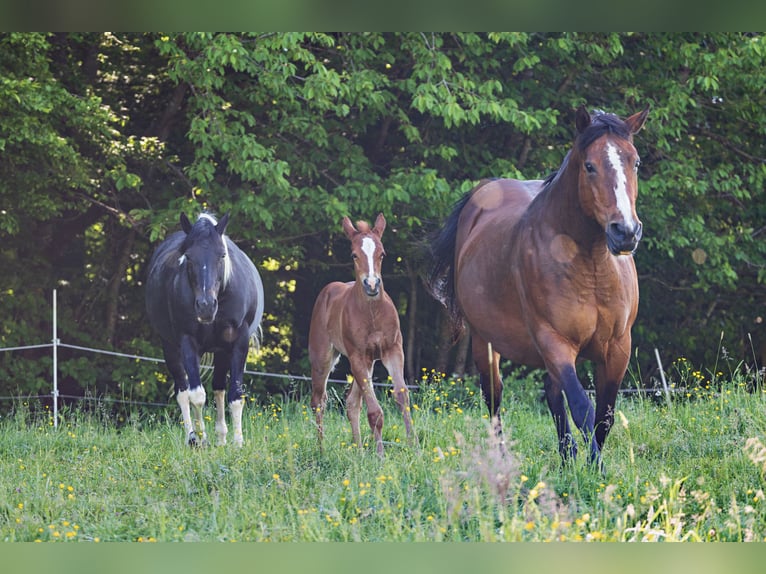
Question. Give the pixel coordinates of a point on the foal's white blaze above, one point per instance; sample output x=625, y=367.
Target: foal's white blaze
x=368, y=247
x=621, y=186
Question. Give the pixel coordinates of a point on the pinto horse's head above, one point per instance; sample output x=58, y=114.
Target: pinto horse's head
x=367, y=252
x=205, y=259
x=608, y=180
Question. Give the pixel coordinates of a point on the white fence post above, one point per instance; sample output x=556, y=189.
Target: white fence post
x=55, y=366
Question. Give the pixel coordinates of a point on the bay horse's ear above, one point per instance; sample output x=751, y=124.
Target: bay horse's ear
x=582, y=119
x=636, y=121
x=222, y=223
x=348, y=227
x=380, y=225
x=185, y=223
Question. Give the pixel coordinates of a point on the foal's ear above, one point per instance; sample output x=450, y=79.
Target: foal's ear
x=348, y=227
x=222, y=223
x=380, y=225
x=582, y=119
x=636, y=121
x=186, y=225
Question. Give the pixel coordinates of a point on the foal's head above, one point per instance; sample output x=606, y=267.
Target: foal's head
x=205, y=259
x=367, y=252
x=608, y=179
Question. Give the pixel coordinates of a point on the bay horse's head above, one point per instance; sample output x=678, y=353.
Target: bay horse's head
x=367, y=252
x=205, y=260
x=608, y=175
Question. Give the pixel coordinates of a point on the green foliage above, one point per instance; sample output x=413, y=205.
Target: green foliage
x=105, y=138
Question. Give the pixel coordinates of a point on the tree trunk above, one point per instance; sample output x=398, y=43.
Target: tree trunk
x=113, y=289
x=410, y=358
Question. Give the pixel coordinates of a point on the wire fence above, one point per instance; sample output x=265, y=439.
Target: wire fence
x=57, y=344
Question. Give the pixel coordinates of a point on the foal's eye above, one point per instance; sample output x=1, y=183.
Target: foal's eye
x=638, y=163
x=354, y=256
x=589, y=167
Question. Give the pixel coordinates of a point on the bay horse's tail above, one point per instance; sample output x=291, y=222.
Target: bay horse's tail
x=440, y=280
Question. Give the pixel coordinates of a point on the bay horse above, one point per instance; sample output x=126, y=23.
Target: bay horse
x=542, y=272
x=359, y=320
x=203, y=294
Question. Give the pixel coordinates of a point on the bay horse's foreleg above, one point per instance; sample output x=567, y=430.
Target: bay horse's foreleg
x=394, y=363
x=581, y=407
x=555, y=399
x=363, y=389
x=608, y=380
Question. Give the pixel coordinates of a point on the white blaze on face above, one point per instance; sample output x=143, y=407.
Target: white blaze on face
x=368, y=247
x=621, y=185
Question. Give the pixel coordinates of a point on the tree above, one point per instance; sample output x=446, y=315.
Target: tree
x=107, y=137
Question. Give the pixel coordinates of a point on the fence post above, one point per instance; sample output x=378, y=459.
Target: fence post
x=55, y=366
x=662, y=377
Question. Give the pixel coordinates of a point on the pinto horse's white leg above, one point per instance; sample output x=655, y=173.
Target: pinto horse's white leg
x=196, y=429
x=236, y=420
x=221, y=429
x=183, y=401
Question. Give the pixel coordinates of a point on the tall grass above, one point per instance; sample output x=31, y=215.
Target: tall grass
x=692, y=471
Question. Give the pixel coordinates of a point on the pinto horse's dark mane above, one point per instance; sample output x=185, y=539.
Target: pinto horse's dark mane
x=203, y=228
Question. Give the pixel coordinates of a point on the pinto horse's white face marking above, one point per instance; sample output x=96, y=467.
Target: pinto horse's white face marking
x=621, y=186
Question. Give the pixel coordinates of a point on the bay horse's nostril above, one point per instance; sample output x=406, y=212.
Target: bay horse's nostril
x=619, y=230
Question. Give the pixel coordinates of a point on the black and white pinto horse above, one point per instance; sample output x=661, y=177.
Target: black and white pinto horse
x=203, y=294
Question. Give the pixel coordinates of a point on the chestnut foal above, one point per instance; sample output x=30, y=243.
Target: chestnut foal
x=359, y=320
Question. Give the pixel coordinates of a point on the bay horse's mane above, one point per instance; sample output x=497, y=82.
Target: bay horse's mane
x=601, y=123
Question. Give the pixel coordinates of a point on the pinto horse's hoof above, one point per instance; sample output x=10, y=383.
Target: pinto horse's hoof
x=195, y=442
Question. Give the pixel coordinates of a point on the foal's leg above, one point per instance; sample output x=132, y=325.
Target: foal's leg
x=363, y=389
x=489, y=379
x=321, y=367
x=394, y=363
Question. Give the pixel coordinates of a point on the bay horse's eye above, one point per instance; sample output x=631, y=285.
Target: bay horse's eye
x=354, y=256
x=589, y=167
x=638, y=164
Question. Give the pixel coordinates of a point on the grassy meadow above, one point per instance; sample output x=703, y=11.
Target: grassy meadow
x=689, y=471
